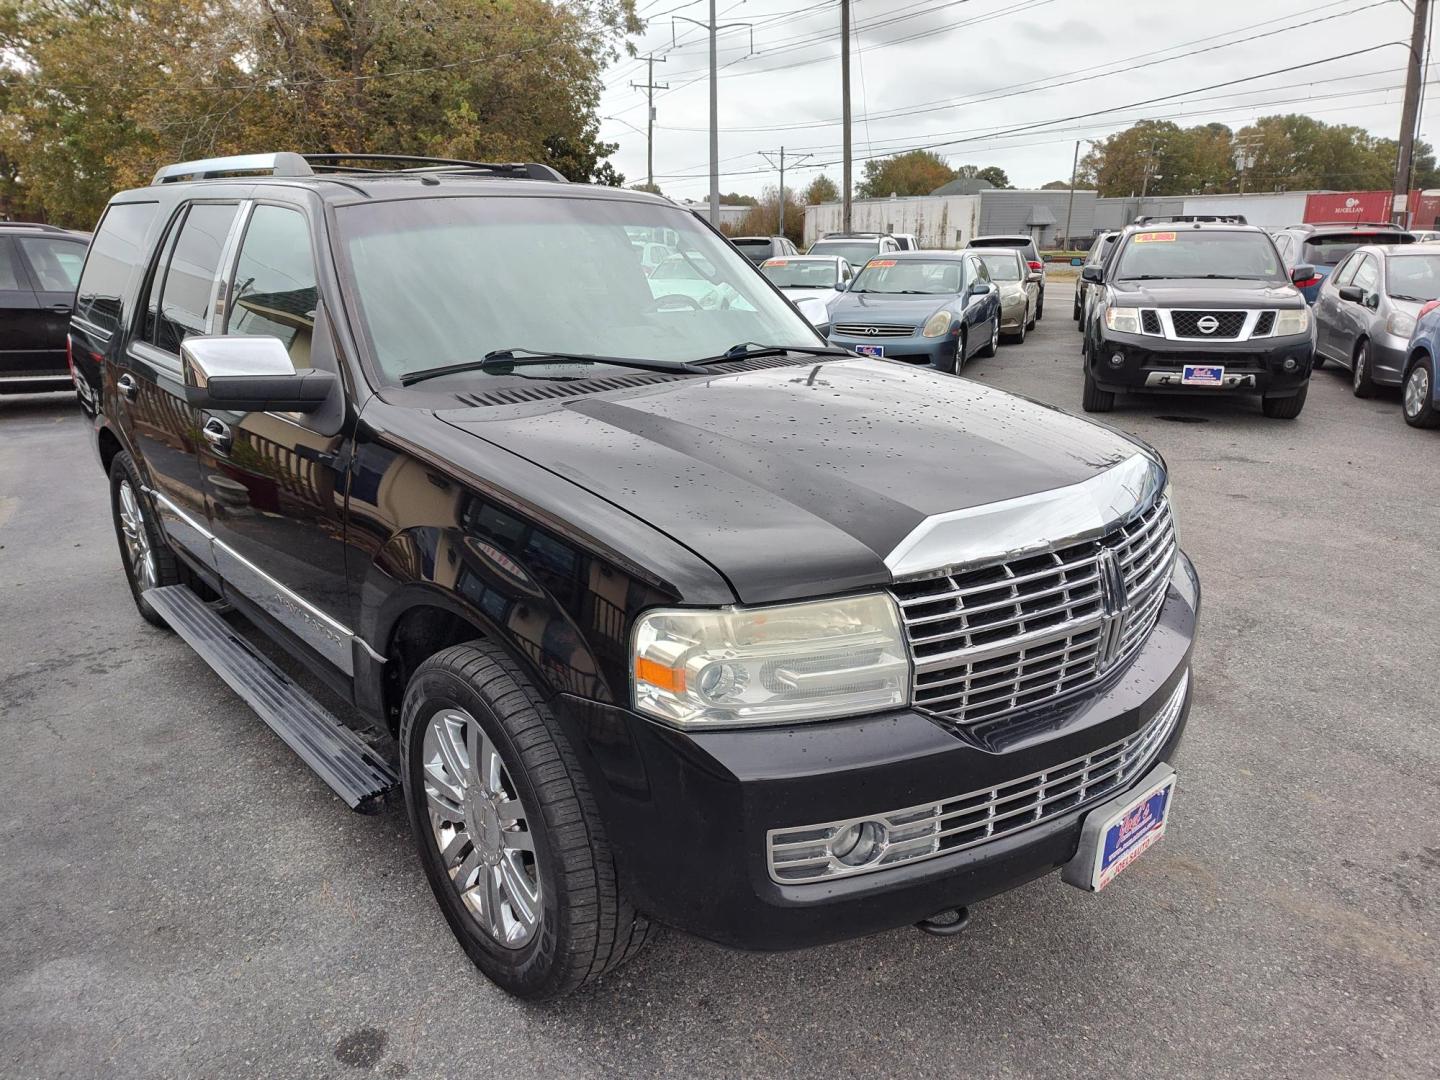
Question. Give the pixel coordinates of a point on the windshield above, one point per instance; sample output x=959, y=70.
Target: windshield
x=1197, y=253
x=1414, y=277
x=1002, y=266
x=793, y=274
x=938, y=277
x=1331, y=250
x=444, y=281
x=855, y=252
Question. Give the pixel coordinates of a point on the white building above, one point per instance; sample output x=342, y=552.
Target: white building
x=940, y=221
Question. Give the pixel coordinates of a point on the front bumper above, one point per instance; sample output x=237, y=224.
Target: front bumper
x=937, y=352
x=688, y=815
x=1388, y=354
x=1154, y=364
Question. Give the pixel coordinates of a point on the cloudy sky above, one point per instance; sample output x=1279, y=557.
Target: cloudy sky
x=1001, y=82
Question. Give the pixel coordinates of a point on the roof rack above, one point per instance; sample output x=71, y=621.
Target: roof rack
x=30, y=225
x=286, y=163
x=1190, y=219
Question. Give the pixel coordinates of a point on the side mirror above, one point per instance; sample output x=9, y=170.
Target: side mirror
x=249, y=374
x=1075, y=260
x=1301, y=273
x=979, y=288
x=1095, y=275
x=1353, y=293
x=842, y=285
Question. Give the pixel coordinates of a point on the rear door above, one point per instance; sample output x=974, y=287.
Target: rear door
x=178, y=301
x=275, y=482
x=25, y=351
x=54, y=263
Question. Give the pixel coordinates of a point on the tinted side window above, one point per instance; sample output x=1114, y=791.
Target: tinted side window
x=275, y=290
x=115, y=252
x=188, y=289
x=11, y=279
x=56, y=263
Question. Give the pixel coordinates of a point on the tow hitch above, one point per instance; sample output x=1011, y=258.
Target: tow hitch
x=945, y=923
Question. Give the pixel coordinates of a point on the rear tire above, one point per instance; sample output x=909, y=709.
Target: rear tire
x=145, y=554
x=1040, y=306
x=993, y=345
x=1018, y=337
x=1284, y=408
x=534, y=899
x=1418, y=396
x=1361, y=383
x=1094, y=399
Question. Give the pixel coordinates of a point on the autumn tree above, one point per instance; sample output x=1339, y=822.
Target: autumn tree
x=821, y=190
x=991, y=174
x=763, y=218
x=918, y=172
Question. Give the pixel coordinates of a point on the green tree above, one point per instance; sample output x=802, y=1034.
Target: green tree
x=1294, y=152
x=821, y=190
x=991, y=174
x=917, y=173
x=733, y=198
x=764, y=217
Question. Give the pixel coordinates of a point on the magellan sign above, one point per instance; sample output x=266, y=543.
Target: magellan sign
x=1347, y=206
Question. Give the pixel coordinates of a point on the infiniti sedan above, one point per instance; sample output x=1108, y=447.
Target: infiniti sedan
x=1365, y=311
x=923, y=307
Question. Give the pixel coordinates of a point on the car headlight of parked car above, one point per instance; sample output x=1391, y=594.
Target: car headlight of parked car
x=1400, y=324
x=938, y=325
x=1292, y=322
x=1124, y=319
x=770, y=665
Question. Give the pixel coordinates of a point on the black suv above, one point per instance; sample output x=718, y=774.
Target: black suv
x=1197, y=309
x=644, y=608
x=39, y=265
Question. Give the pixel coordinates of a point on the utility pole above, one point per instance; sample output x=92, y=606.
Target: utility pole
x=713, y=28
x=846, y=208
x=766, y=155
x=1409, y=114
x=1074, y=175
x=1149, y=167
x=650, y=87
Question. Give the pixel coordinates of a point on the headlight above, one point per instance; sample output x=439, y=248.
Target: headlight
x=1292, y=322
x=938, y=325
x=1400, y=324
x=1124, y=319
x=770, y=665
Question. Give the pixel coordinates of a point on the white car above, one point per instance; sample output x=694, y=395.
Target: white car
x=819, y=277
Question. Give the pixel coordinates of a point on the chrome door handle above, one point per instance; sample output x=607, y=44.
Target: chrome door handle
x=217, y=434
x=127, y=386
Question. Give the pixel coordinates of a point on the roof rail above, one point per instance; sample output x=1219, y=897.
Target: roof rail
x=1191, y=219
x=30, y=225
x=282, y=164
x=292, y=164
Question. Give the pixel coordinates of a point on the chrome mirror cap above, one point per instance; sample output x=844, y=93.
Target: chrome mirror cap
x=205, y=358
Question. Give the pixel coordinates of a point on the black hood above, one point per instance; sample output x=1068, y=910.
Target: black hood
x=1201, y=293
x=798, y=481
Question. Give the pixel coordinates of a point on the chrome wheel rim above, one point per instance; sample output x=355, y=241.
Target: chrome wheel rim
x=995, y=336
x=137, y=539
x=1358, y=375
x=1417, y=390
x=481, y=828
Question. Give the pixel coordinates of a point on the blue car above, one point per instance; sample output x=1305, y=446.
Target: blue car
x=1324, y=246
x=1420, y=397
x=923, y=307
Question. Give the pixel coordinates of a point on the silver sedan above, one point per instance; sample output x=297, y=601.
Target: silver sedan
x=1367, y=307
x=1019, y=290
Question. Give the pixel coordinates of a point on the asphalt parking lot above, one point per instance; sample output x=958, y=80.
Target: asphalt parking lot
x=183, y=898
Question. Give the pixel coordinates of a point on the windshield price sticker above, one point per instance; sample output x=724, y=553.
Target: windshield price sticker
x=881, y=262
x=1154, y=238
x=774, y=262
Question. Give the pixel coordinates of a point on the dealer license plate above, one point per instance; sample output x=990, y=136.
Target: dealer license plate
x=1202, y=375
x=870, y=350
x=1117, y=833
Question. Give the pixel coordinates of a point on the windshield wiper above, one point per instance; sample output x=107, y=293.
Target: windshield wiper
x=748, y=349
x=503, y=361
x=1412, y=299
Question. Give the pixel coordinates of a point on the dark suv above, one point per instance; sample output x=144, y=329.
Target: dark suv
x=39, y=265
x=631, y=624
x=1197, y=309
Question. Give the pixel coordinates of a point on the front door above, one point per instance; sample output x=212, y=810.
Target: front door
x=275, y=482
x=179, y=301
x=24, y=350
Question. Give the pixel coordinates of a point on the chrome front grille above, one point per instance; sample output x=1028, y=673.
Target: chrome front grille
x=994, y=640
x=876, y=330
x=809, y=853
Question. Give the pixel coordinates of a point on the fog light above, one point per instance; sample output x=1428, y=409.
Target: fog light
x=858, y=844
x=1118, y=360
x=1291, y=363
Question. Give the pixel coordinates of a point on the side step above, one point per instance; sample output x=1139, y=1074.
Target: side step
x=342, y=759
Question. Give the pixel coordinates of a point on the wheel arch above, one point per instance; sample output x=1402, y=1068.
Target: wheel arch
x=108, y=444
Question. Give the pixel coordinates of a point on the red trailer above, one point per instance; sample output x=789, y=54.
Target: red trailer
x=1347, y=206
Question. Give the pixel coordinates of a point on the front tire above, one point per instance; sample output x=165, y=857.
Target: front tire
x=1018, y=337
x=1040, y=307
x=509, y=833
x=1095, y=400
x=1419, y=395
x=144, y=553
x=1362, y=385
x=1284, y=408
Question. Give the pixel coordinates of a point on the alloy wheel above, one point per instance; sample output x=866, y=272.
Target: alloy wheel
x=995, y=335
x=481, y=828
x=137, y=538
x=1357, y=377
x=1417, y=390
